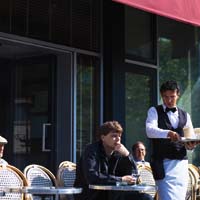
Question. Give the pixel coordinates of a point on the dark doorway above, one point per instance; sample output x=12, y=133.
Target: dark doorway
x=33, y=121
x=27, y=95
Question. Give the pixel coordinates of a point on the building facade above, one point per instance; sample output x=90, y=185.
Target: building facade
x=69, y=65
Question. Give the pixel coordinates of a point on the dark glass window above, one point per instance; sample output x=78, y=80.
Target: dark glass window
x=139, y=40
x=85, y=23
x=19, y=17
x=136, y=97
x=39, y=19
x=61, y=17
x=74, y=23
x=87, y=104
x=178, y=54
x=5, y=16
x=179, y=60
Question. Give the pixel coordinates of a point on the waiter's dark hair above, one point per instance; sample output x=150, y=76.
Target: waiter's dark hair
x=170, y=85
x=110, y=126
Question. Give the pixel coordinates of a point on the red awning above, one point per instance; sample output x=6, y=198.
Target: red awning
x=182, y=10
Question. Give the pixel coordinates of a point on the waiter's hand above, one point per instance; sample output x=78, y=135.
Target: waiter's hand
x=173, y=136
x=122, y=149
x=190, y=145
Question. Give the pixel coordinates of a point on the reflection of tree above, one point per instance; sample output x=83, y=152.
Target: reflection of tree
x=195, y=103
x=185, y=70
x=84, y=105
x=137, y=104
x=86, y=101
x=172, y=68
x=179, y=69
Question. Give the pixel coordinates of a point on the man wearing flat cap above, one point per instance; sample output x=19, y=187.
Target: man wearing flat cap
x=3, y=141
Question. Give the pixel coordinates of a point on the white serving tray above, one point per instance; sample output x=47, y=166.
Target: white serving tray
x=183, y=139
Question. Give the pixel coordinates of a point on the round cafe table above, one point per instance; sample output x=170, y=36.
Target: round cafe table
x=44, y=190
x=139, y=187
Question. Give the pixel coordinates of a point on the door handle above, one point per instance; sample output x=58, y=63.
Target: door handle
x=44, y=137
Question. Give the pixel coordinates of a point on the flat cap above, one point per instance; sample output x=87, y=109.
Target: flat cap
x=3, y=140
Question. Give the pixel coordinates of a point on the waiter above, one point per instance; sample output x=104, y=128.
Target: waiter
x=164, y=125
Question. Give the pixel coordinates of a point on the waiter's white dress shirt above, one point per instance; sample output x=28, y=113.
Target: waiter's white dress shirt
x=174, y=185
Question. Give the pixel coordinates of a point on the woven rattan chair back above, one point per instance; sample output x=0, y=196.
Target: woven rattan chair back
x=40, y=176
x=190, y=187
x=10, y=176
x=146, y=177
x=193, y=170
x=66, y=174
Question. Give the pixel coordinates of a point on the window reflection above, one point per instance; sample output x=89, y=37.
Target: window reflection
x=178, y=60
x=87, y=108
x=136, y=97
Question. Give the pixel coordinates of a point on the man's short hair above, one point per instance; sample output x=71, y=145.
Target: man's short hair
x=170, y=85
x=110, y=126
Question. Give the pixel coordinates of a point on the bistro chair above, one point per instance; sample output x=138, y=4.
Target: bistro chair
x=193, y=183
x=40, y=176
x=195, y=179
x=66, y=176
x=146, y=177
x=190, y=187
x=11, y=176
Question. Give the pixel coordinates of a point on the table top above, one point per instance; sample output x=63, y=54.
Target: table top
x=43, y=190
x=140, y=187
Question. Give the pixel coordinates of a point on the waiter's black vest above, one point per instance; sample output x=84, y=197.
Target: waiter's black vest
x=165, y=148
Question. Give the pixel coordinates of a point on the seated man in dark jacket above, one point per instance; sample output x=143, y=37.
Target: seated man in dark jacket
x=106, y=162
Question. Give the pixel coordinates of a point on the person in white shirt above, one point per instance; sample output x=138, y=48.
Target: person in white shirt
x=3, y=141
x=139, y=153
x=164, y=125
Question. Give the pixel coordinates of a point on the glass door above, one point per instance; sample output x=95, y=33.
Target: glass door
x=33, y=127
